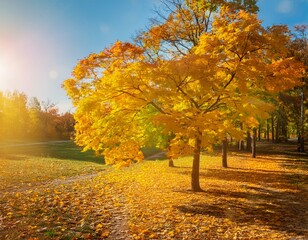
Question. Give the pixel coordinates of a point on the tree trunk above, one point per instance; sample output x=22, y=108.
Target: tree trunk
x=171, y=163
x=281, y=125
x=302, y=145
x=240, y=145
x=277, y=131
x=273, y=130
x=253, y=143
x=248, y=142
x=259, y=133
x=195, y=176
x=302, y=138
x=240, y=142
x=267, y=130
x=224, y=153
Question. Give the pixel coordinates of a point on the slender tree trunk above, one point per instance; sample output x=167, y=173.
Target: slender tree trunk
x=240, y=142
x=299, y=138
x=259, y=133
x=302, y=138
x=302, y=145
x=195, y=174
x=267, y=130
x=171, y=163
x=224, y=153
x=273, y=130
x=248, y=142
x=277, y=131
x=253, y=143
x=240, y=145
x=284, y=124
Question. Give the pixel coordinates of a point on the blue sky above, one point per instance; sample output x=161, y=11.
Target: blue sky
x=42, y=40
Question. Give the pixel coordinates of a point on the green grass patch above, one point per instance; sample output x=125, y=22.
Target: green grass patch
x=26, y=165
x=54, y=149
x=149, y=151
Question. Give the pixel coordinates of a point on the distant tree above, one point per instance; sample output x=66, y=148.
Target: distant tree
x=14, y=118
x=65, y=125
x=295, y=100
x=49, y=117
x=21, y=119
x=36, y=124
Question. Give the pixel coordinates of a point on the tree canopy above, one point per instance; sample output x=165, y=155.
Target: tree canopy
x=195, y=82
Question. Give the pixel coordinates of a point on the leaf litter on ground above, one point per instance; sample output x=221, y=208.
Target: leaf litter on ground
x=263, y=198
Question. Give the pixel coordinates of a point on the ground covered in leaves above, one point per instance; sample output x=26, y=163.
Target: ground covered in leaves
x=262, y=198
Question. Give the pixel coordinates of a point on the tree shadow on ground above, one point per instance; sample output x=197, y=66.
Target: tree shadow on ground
x=276, y=179
x=273, y=200
x=286, y=149
x=285, y=154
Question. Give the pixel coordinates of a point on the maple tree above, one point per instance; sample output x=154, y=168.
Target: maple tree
x=127, y=94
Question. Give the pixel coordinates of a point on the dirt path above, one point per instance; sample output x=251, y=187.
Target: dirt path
x=156, y=156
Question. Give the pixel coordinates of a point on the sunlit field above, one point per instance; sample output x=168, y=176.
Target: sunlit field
x=30, y=164
x=54, y=197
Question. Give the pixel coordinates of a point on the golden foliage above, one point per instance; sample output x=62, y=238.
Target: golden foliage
x=124, y=154
x=221, y=81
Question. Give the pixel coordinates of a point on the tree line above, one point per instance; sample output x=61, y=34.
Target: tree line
x=23, y=118
x=288, y=119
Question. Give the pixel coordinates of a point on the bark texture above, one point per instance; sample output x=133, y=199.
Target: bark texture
x=224, y=153
x=195, y=174
x=253, y=143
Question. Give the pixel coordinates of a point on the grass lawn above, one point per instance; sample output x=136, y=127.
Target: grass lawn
x=27, y=165
x=263, y=198
x=54, y=149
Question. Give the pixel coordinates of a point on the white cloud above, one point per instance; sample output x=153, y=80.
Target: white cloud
x=285, y=6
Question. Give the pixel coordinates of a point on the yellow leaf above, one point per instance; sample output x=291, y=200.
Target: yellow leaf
x=99, y=226
x=105, y=234
x=171, y=233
